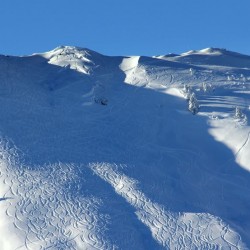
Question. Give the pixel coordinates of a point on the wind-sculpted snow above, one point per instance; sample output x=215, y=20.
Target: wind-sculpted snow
x=171, y=230
x=76, y=59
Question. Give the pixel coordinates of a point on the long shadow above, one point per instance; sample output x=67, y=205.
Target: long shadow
x=168, y=150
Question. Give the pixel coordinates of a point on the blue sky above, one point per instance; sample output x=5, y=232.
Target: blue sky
x=124, y=27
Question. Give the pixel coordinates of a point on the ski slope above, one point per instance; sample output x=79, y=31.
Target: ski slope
x=100, y=152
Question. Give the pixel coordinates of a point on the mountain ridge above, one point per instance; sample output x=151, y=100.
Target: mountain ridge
x=124, y=152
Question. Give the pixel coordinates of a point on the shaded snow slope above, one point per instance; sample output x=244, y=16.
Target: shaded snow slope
x=100, y=152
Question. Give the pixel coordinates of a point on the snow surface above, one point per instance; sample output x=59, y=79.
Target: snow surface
x=100, y=152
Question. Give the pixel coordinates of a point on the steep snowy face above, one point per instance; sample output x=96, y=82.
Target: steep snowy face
x=100, y=152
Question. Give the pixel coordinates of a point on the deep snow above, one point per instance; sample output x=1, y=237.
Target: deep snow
x=102, y=152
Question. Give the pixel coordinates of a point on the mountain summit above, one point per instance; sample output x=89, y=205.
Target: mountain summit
x=125, y=152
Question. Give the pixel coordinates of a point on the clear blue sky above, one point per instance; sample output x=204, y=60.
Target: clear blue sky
x=124, y=27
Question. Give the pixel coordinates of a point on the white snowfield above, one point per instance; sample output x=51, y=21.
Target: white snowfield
x=100, y=152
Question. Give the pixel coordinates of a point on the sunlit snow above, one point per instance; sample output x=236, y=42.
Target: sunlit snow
x=125, y=152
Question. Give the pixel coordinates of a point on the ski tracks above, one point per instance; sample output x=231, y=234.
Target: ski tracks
x=170, y=230
x=48, y=212
x=47, y=209
x=243, y=145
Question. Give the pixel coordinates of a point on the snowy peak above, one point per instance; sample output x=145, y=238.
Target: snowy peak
x=110, y=152
x=81, y=53
x=213, y=51
x=207, y=51
x=79, y=59
x=211, y=57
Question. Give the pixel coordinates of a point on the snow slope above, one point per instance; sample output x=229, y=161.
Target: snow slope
x=100, y=152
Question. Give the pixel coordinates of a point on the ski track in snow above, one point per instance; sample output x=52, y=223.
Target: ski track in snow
x=45, y=207
x=171, y=230
x=46, y=210
x=244, y=144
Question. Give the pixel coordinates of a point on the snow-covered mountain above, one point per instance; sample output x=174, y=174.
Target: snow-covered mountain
x=100, y=152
